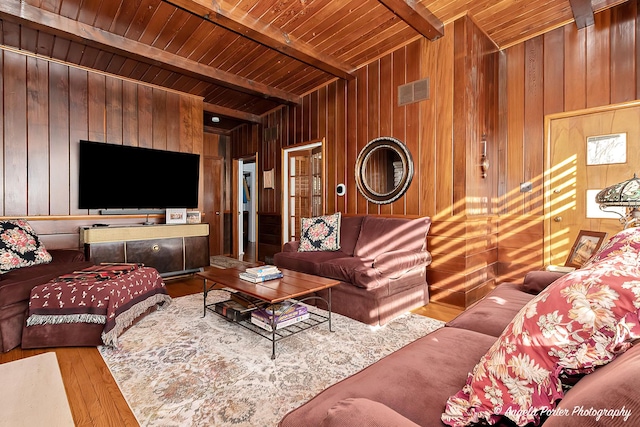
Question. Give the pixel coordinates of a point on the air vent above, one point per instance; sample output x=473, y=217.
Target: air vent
x=270, y=134
x=413, y=92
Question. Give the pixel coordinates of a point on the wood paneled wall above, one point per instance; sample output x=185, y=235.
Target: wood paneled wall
x=563, y=70
x=47, y=107
x=443, y=134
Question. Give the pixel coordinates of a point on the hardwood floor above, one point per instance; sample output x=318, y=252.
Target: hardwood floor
x=94, y=396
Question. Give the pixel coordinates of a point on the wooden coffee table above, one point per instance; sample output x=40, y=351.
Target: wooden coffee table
x=292, y=286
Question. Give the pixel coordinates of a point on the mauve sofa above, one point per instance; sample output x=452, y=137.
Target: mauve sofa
x=15, y=289
x=381, y=266
x=411, y=386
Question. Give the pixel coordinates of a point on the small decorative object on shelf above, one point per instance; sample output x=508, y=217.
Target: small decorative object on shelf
x=176, y=216
x=261, y=274
x=194, y=217
x=559, y=268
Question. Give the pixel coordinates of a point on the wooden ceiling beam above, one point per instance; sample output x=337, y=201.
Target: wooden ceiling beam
x=33, y=17
x=417, y=16
x=230, y=112
x=224, y=15
x=582, y=13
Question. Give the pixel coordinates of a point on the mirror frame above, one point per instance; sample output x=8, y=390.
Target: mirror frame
x=407, y=169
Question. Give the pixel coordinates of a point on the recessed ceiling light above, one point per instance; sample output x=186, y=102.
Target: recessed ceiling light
x=215, y=119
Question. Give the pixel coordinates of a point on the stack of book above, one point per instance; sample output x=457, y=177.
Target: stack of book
x=285, y=314
x=261, y=274
x=232, y=310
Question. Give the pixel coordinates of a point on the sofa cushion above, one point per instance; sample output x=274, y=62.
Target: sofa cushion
x=493, y=313
x=380, y=234
x=349, y=233
x=414, y=381
x=305, y=262
x=20, y=246
x=342, y=269
x=536, y=281
x=584, y=320
x=611, y=388
x=364, y=413
x=396, y=263
x=320, y=233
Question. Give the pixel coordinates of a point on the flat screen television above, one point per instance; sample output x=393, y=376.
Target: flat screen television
x=124, y=177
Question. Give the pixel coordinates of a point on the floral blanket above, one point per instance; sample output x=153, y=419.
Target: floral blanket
x=113, y=295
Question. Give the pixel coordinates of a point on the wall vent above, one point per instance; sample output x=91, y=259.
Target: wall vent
x=413, y=92
x=270, y=134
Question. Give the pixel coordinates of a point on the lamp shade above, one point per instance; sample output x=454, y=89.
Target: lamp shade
x=625, y=193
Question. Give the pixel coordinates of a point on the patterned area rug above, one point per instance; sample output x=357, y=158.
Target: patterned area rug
x=222, y=261
x=175, y=367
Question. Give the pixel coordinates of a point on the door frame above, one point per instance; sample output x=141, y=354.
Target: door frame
x=309, y=145
x=237, y=244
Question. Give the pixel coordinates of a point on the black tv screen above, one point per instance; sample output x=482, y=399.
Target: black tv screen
x=123, y=177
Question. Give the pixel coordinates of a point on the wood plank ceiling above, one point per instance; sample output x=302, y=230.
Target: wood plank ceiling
x=246, y=57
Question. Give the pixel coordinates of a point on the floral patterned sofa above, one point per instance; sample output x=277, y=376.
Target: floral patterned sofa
x=555, y=349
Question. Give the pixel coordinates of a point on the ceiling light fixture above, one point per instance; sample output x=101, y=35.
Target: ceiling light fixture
x=215, y=119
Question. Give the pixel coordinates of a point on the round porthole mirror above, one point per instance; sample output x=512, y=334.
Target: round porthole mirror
x=384, y=169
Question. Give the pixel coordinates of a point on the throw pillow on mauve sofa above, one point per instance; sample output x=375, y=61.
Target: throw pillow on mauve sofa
x=320, y=233
x=583, y=320
x=20, y=246
x=624, y=243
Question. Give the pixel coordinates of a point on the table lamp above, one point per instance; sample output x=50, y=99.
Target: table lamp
x=624, y=194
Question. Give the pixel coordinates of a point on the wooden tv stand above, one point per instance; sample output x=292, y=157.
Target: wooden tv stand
x=169, y=248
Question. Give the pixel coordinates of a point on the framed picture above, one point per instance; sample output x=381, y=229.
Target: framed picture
x=193, y=217
x=586, y=244
x=176, y=216
x=607, y=149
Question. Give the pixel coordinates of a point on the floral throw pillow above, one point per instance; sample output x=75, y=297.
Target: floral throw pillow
x=582, y=321
x=625, y=242
x=20, y=246
x=321, y=233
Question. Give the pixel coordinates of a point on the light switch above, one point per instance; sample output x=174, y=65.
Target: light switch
x=526, y=187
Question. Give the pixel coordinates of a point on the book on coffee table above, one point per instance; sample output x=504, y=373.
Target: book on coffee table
x=263, y=270
x=259, y=279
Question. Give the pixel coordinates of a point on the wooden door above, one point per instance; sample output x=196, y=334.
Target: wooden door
x=213, y=207
x=572, y=182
